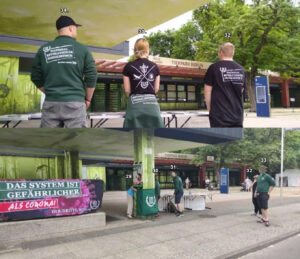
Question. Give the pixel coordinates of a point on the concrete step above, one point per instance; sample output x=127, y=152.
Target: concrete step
x=14, y=233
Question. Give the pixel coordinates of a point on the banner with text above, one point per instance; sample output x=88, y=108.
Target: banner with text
x=28, y=199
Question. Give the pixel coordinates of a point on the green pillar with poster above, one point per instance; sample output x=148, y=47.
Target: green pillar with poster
x=145, y=203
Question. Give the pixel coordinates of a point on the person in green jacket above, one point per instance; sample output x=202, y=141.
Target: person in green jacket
x=65, y=71
x=157, y=191
x=265, y=185
x=178, y=193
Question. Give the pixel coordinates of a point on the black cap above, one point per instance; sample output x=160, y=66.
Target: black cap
x=65, y=21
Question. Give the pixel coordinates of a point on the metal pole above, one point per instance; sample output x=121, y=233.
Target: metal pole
x=281, y=165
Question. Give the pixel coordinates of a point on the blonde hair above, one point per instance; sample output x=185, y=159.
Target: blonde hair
x=141, y=48
x=262, y=168
x=227, y=49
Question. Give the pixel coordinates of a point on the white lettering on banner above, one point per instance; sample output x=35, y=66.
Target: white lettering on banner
x=15, y=206
x=9, y=186
x=13, y=186
x=11, y=195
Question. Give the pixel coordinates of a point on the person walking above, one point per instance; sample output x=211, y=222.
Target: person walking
x=265, y=185
x=64, y=70
x=178, y=193
x=224, y=84
x=141, y=79
x=257, y=210
x=248, y=183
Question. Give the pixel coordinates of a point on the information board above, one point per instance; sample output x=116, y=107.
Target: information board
x=224, y=180
x=262, y=96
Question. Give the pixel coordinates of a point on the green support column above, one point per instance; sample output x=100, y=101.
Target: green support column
x=144, y=153
x=72, y=165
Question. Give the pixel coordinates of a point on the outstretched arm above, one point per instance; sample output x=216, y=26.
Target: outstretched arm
x=207, y=95
x=126, y=82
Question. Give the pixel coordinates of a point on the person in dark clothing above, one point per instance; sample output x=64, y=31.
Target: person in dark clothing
x=257, y=210
x=157, y=192
x=141, y=83
x=65, y=71
x=224, y=84
x=265, y=185
x=178, y=193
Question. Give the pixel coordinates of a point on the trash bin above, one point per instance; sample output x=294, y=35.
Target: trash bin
x=146, y=202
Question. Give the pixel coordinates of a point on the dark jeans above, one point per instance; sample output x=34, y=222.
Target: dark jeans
x=256, y=207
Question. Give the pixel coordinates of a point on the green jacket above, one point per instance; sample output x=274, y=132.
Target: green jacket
x=178, y=186
x=157, y=188
x=65, y=68
x=264, y=181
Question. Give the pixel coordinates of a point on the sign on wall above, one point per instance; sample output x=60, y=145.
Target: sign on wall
x=162, y=61
x=28, y=199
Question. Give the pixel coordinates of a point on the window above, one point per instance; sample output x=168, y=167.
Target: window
x=177, y=93
x=171, y=92
x=191, y=93
x=161, y=93
x=181, y=93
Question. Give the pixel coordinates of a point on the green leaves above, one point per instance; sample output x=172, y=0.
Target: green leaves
x=176, y=44
x=266, y=35
x=259, y=146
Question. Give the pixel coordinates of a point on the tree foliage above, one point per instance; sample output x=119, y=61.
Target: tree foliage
x=260, y=146
x=176, y=44
x=266, y=35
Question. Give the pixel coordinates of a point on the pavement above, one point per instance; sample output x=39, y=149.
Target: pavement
x=288, y=249
x=226, y=230
x=280, y=117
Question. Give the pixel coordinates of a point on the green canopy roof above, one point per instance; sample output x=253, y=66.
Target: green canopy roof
x=109, y=142
x=106, y=23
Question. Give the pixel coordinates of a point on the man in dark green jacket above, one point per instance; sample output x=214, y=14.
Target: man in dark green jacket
x=157, y=191
x=65, y=71
x=265, y=185
x=178, y=193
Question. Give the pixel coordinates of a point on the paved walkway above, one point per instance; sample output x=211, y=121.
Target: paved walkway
x=227, y=230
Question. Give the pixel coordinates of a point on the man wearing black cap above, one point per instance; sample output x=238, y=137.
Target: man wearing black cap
x=65, y=71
